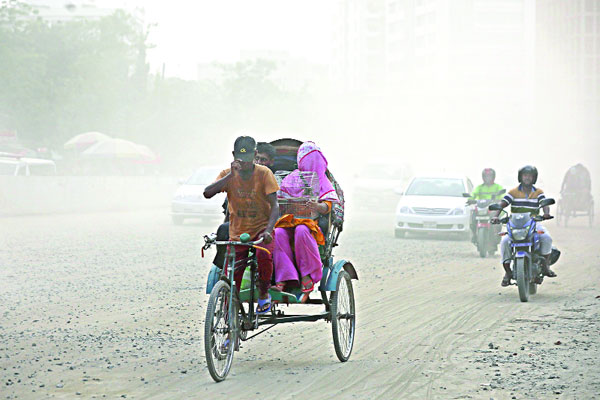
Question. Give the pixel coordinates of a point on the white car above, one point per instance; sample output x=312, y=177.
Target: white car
x=434, y=204
x=26, y=166
x=189, y=202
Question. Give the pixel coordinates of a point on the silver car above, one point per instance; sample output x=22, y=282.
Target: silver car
x=434, y=204
x=189, y=202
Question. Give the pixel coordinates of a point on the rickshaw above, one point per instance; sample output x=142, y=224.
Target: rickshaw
x=572, y=205
x=230, y=314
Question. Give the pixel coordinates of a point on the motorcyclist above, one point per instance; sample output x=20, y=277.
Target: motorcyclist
x=485, y=191
x=526, y=198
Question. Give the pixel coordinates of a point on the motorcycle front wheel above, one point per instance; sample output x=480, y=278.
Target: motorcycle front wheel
x=482, y=244
x=521, y=271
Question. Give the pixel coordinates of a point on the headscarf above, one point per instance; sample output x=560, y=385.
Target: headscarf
x=310, y=158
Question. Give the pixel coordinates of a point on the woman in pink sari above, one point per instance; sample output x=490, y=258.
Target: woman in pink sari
x=302, y=235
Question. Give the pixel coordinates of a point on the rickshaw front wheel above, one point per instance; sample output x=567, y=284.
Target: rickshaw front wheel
x=219, y=332
x=343, y=317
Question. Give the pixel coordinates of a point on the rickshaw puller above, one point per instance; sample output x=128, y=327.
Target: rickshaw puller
x=252, y=194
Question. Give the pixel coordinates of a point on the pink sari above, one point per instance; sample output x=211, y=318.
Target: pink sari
x=296, y=252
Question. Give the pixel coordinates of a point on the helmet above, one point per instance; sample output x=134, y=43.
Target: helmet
x=488, y=171
x=529, y=169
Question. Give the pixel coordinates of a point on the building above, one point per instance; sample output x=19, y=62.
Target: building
x=568, y=58
x=359, y=41
x=479, y=54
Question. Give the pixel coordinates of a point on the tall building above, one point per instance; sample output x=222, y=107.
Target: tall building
x=476, y=54
x=359, y=44
x=470, y=40
x=568, y=57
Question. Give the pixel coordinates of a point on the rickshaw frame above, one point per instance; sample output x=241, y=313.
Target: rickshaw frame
x=335, y=275
x=569, y=207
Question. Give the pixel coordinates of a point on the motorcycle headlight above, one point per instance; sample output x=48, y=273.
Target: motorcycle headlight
x=457, y=211
x=520, y=234
x=406, y=210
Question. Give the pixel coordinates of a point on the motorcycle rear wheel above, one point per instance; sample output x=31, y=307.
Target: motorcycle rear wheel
x=533, y=288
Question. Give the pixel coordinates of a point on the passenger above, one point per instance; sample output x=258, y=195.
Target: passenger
x=265, y=155
x=303, y=235
x=252, y=193
x=577, y=182
x=525, y=198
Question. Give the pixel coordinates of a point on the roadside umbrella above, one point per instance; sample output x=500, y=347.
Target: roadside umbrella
x=146, y=152
x=12, y=149
x=114, y=148
x=84, y=140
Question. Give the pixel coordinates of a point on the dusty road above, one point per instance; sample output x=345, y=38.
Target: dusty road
x=112, y=306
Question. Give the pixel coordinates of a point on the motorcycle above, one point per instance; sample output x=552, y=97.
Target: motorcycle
x=526, y=260
x=486, y=237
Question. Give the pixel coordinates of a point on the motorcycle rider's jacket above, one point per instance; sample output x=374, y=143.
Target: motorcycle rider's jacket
x=523, y=203
x=485, y=192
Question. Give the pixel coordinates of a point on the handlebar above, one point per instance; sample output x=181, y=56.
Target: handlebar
x=211, y=239
x=504, y=220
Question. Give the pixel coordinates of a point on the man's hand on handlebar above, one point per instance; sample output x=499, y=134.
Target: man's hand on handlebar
x=266, y=236
x=495, y=220
x=547, y=216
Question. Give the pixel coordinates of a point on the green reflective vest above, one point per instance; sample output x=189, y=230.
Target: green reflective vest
x=484, y=192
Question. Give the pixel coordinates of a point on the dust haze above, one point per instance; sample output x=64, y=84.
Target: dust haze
x=103, y=289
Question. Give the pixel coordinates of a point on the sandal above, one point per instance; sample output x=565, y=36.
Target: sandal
x=278, y=286
x=303, y=298
x=262, y=303
x=308, y=287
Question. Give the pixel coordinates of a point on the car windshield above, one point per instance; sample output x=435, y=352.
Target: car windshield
x=204, y=176
x=436, y=187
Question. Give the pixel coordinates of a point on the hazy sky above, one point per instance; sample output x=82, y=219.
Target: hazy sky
x=192, y=32
x=426, y=128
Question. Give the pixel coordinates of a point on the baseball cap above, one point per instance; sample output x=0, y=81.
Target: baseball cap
x=244, y=148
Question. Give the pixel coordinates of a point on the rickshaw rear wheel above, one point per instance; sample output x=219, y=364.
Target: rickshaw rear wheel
x=591, y=214
x=219, y=332
x=343, y=317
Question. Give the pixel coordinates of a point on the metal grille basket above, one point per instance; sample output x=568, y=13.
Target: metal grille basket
x=307, y=184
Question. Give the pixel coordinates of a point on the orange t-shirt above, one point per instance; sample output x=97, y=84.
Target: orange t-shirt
x=249, y=209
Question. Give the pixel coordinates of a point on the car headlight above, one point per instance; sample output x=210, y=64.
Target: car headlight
x=457, y=211
x=520, y=234
x=406, y=210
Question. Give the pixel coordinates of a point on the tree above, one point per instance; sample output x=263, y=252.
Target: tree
x=62, y=78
